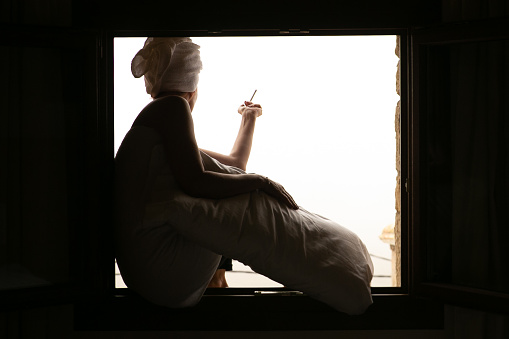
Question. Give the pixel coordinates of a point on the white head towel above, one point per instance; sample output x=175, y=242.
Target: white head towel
x=168, y=64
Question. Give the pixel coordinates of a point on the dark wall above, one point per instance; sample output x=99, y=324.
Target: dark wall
x=266, y=14
x=53, y=187
x=230, y=14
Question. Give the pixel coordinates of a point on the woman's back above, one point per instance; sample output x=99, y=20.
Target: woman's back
x=153, y=258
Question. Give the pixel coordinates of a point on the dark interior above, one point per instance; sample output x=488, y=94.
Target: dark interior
x=56, y=258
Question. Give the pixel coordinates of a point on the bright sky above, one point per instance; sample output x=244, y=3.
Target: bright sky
x=327, y=129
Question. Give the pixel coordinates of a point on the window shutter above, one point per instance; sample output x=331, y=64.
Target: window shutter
x=52, y=170
x=459, y=176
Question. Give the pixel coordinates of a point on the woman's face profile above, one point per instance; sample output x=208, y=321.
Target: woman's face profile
x=193, y=99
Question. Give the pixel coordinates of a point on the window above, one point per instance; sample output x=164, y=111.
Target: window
x=460, y=134
x=88, y=124
x=338, y=91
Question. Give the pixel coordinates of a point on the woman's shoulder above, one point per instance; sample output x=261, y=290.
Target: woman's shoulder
x=163, y=109
x=168, y=102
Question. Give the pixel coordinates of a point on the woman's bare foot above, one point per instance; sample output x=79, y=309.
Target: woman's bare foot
x=219, y=279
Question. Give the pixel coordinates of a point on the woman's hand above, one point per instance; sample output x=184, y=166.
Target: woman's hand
x=277, y=190
x=250, y=108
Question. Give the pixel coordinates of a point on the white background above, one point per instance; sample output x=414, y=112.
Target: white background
x=327, y=130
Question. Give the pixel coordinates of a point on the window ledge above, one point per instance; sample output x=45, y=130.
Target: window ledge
x=126, y=311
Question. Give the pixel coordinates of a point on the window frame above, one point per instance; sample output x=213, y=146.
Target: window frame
x=404, y=102
x=95, y=298
x=242, y=306
x=421, y=41
x=98, y=305
x=403, y=33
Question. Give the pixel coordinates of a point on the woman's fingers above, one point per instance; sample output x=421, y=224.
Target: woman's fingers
x=250, y=108
x=250, y=104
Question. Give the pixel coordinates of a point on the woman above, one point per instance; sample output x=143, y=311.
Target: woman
x=167, y=241
x=170, y=67
x=172, y=83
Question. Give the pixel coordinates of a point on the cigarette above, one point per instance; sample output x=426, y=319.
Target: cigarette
x=251, y=100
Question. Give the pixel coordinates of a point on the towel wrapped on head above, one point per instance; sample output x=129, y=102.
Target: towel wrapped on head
x=168, y=64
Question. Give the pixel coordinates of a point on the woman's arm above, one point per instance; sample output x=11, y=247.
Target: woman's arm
x=171, y=118
x=241, y=150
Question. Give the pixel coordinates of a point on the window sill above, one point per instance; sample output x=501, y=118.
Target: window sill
x=126, y=311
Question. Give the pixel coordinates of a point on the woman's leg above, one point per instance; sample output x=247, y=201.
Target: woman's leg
x=219, y=278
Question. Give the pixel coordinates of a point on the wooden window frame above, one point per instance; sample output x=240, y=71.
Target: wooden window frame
x=421, y=41
x=417, y=304
x=121, y=309
x=99, y=306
